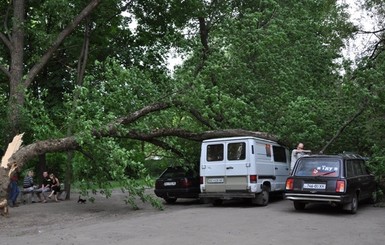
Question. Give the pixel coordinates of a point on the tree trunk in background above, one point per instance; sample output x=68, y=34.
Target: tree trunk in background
x=68, y=175
x=42, y=167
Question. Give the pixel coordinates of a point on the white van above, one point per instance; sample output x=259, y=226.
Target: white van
x=242, y=167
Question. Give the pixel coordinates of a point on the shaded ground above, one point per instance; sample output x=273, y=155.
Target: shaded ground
x=43, y=217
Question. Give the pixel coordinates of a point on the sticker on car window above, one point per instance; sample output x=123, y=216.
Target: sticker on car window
x=325, y=171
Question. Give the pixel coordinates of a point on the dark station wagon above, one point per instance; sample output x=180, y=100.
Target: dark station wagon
x=341, y=180
x=177, y=182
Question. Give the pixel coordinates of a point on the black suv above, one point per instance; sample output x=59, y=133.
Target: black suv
x=177, y=182
x=342, y=180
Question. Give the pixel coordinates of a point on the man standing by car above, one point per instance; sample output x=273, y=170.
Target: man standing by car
x=297, y=153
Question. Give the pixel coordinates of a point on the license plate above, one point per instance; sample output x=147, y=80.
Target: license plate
x=314, y=186
x=169, y=183
x=215, y=180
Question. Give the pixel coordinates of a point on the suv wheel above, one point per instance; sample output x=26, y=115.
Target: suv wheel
x=373, y=198
x=353, y=205
x=170, y=200
x=299, y=205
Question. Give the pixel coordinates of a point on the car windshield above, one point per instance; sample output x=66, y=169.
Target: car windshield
x=318, y=167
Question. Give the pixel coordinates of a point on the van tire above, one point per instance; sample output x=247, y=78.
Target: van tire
x=262, y=199
x=217, y=202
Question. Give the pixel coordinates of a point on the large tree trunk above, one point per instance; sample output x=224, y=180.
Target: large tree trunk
x=15, y=73
x=16, y=91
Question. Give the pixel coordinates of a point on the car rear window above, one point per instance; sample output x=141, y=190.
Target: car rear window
x=177, y=173
x=318, y=167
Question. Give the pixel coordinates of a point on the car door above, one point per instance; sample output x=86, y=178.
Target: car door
x=281, y=167
x=366, y=180
x=236, y=165
x=214, y=167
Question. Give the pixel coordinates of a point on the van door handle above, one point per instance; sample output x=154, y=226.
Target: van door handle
x=229, y=168
x=276, y=168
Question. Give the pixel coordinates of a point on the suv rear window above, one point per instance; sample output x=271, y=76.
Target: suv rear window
x=327, y=167
x=177, y=173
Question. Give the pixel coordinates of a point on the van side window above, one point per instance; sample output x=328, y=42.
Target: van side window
x=268, y=150
x=279, y=154
x=215, y=152
x=236, y=151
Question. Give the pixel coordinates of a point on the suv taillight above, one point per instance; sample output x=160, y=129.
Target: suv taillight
x=253, y=179
x=340, y=186
x=185, y=182
x=158, y=184
x=289, y=184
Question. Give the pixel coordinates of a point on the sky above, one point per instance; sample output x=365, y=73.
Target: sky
x=355, y=48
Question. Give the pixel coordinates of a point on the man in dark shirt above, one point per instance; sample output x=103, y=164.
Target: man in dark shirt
x=46, y=186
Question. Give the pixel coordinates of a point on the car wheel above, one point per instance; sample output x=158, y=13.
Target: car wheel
x=170, y=200
x=299, y=205
x=217, y=202
x=353, y=205
x=373, y=198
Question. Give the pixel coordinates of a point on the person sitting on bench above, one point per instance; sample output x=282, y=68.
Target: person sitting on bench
x=29, y=186
x=46, y=186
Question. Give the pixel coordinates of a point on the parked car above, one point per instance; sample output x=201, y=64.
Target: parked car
x=340, y=180
x=177, y=182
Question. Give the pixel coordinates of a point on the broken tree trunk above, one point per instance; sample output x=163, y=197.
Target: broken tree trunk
x=7, y=168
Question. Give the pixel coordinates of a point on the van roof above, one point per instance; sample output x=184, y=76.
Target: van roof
x=239, y=138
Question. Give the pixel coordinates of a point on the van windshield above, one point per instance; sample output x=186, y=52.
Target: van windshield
x=318, y=167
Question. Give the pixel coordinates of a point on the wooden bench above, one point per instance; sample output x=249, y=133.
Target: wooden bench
x=25, y=197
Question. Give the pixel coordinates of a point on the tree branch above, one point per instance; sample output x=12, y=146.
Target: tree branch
x=5, y=41
x=112, y=128
x=2, y=36
x=342, y=128
x=5, y=71
x=83, y=57
x=60, y=38
x=38, y=148
x=371, y=32
x=165, y=146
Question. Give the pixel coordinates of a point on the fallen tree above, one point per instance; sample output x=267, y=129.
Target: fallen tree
x=20, y=157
